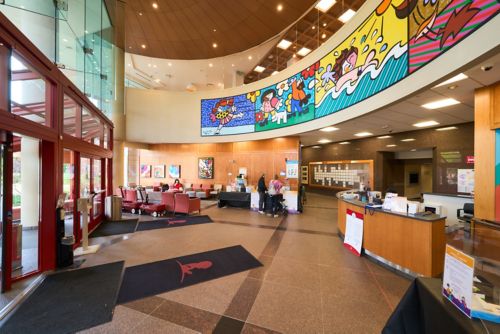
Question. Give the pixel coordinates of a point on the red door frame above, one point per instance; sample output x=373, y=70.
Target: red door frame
x=51, y=135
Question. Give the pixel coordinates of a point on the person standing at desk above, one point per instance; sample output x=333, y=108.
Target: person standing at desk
x=261, y=188
x=274, y=190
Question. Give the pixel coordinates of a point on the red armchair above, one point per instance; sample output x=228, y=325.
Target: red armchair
x=184, y=204
x=168, y=198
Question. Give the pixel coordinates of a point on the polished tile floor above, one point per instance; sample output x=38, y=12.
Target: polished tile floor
x=309, y=283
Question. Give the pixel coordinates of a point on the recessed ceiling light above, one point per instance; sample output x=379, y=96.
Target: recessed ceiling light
x=155, y=5
x=323, y=36
x=313, y=27
x=413, y=150
x=154, y=65
x=391, y=145
x=259, y=69
x=363, y=134
x=294, y=55
x=275, y=72
x=140, y=13
x=284, y=44
x=169, y=64
x=344, y=143
x=408, y=139
x=232, y=65
x=149, y=65
x=324, y=24
x=157, y=80
x=214, y=45
x=440, y=104
x=425, y=124
x=456, y=78
x=316, y=146
x=348, y=14
x=250, y=57
x=215, y=30
x=129, y=65
x=329, y=129
x=210, y=65
x=303, y=52
x=325, y=5
x=324, y=141
x=143, y=46
x=384, y=137
x=447, y=128
x=279, y=8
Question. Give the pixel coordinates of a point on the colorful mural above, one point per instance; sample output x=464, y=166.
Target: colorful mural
x=372, y=58
x=398, y=38
x=287, y=103
x=227, y=116
x=436, y=26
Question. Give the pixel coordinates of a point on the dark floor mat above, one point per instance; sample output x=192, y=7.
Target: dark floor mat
x=114, y=228
x=158, y=277
x=68, y=302
x=173, y=222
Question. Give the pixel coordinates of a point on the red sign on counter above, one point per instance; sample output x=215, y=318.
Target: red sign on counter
x=469, y=159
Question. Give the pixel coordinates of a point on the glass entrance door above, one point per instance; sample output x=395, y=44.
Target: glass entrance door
x=2, y=228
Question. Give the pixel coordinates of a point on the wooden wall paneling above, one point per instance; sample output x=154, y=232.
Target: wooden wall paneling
x=484, y=150
x=495, y=106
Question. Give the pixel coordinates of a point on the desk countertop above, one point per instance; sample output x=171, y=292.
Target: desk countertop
x=428, y=218
x=451, y=195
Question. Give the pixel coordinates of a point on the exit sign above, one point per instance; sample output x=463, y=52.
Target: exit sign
x=469, y=159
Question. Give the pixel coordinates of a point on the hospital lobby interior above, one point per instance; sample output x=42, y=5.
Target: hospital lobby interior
x=250, y=166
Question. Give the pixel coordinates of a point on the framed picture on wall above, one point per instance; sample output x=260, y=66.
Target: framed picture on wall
x=146, y=171
x=174, y=171
x=159, y=171
x=206, y=168
x=304, y=174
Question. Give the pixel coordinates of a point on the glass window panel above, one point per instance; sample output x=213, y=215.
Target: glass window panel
x=26, y=204
x=92, y=128
x=39, y=28
x=43, y=7
x=106, y=137
x=93, y=26
x=27, y=92
x=84, y=177
x=69, y=189
x=71, y=41
x=72, y=117
x=97, y=203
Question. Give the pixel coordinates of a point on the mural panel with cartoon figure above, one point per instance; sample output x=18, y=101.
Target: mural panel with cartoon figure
x=436, y=26
x=399, y=37
x=371, y=59
x=287, y=103
x=227, y=116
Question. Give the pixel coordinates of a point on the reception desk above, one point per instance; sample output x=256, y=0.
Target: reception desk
x=412, y=244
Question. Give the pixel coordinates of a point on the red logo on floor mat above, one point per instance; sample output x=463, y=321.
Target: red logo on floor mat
x=173, y=222
x=186, y=269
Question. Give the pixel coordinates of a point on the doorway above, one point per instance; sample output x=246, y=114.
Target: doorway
x=20, y=208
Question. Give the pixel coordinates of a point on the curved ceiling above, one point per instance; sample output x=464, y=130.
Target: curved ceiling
x=188, y=29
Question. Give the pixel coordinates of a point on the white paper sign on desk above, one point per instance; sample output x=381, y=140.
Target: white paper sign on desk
x=457, y=279
x=353, y=239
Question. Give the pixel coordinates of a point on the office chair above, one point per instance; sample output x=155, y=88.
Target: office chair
x=467, y=215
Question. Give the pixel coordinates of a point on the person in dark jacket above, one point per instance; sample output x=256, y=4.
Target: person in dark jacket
x=261, y=188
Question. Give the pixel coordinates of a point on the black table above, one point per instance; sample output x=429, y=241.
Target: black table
x=423, y=309
x=236, y=199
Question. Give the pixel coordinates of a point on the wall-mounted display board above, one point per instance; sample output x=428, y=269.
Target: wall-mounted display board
x=390, y=44
x=348, y=174
x=465, y=180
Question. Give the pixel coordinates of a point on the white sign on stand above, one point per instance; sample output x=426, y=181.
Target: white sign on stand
x=458, y=279
x=353, y=239
x=292, y=169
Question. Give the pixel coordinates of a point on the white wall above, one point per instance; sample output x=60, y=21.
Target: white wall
x=174, y=117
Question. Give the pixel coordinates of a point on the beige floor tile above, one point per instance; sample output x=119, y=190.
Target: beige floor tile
x=213, y=296
x=296, y=274
x=286, y=309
